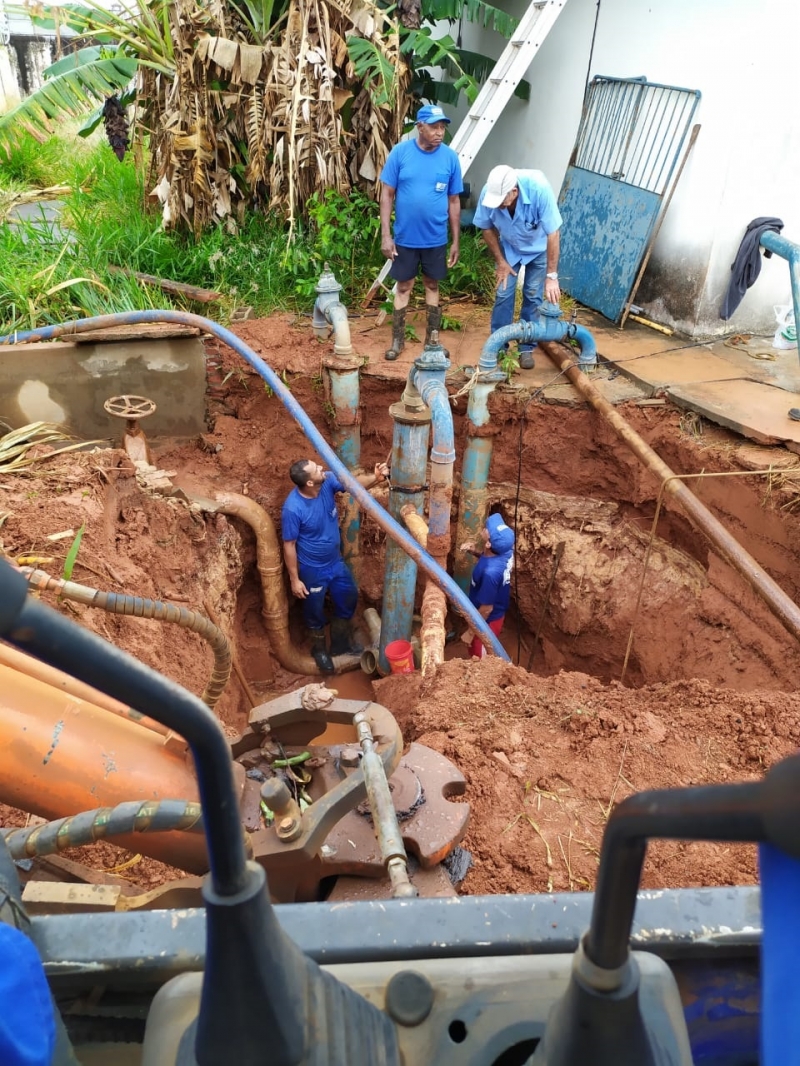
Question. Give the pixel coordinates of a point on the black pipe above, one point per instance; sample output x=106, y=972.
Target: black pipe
x=35, y=628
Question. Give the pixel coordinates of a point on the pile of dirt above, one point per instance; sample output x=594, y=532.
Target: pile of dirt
x=546, y=759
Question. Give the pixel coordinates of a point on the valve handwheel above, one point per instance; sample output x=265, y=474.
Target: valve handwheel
x=130, y=407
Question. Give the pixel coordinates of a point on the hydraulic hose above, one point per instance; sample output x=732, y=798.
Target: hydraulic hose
x=392, y=528
x=141, y=608
x=105, y=823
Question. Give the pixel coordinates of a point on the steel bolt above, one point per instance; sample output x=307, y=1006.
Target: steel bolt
x=350, y=756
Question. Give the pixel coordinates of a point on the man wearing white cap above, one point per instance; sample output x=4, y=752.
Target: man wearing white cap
x=490, y=587
x=422, y=182
x=519, y=216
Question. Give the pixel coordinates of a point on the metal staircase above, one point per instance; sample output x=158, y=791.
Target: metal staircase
x=495, y=93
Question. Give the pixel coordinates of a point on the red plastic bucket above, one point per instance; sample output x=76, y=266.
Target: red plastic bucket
x=400, y=657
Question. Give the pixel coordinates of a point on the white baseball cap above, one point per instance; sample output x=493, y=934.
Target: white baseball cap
x=499, y=184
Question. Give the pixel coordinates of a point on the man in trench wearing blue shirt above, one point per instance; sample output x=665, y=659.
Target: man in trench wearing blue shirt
x=490, y=587
x=521, y=224
x=422, y=182
x=313, y=554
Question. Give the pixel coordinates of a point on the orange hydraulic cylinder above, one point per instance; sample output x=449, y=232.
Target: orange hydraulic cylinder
x=60, y=754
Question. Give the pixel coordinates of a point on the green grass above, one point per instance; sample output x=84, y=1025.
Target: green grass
x=113, y=223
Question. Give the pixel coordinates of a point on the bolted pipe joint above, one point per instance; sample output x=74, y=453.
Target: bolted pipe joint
x=550, y=326
x=427, y=377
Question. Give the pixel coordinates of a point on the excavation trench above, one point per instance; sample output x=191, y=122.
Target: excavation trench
x=639, y=678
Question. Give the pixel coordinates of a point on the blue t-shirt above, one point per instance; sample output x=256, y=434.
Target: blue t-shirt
x=422, y=182
x=27, y=1020
x=491, y=583
x=314, y=523
x=536, y=215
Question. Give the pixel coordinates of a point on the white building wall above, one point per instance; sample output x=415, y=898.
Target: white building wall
x=746, y=161
x=9, y=86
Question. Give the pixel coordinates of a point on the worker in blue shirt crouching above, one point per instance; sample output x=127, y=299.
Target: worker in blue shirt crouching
x=490, y=587
x=313, y=554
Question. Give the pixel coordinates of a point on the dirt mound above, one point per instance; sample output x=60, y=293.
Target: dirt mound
x=546, y=759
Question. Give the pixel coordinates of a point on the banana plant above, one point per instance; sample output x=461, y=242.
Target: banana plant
x=79, y=83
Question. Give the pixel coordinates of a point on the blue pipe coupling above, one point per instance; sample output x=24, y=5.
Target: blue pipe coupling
x=548, y=327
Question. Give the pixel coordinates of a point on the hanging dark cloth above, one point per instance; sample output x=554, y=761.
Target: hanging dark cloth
x=747, y=265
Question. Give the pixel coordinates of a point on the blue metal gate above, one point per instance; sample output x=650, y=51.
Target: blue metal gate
x=628, y=143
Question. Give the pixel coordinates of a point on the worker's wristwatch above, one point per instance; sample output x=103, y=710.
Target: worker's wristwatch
x=553, y=276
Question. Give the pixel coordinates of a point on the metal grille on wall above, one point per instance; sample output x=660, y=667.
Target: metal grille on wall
x=628, y=145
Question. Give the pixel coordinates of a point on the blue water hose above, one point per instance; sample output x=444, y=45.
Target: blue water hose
x=392, y=528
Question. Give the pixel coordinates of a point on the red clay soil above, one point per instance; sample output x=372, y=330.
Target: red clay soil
x=546, y=754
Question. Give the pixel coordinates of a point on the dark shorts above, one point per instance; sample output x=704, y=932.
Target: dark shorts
x=408, y=261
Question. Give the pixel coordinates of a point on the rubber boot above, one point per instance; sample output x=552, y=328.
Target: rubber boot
x=434, y=323
x=526, y=360
x=398, y=334
x=319, y=653
x=342, y=640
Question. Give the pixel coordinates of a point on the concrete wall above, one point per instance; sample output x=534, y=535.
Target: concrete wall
x=746, y=160
x=68, y=383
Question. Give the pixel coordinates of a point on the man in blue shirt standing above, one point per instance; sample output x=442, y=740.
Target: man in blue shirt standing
x=521, y=224
x=490, y=587
x=312, y=549
x=422, y=181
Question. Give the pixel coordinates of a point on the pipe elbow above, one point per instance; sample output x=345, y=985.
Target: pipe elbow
x=336, y=314
x=586, y=345
x=435, y=395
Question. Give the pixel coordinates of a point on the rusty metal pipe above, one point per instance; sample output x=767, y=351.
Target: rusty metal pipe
x=60, y=755
x=784, y=609
x=434, y=604
x=137, y=607
x=275, y=603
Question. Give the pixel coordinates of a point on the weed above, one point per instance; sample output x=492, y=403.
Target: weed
x=72, y=554
x=509, y=363
x=411, y=334
x=240, y=376
x=317, y=384
x=451, y=323
x=329, y=411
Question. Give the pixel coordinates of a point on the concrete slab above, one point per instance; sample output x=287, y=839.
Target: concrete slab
x=655, y=372
x=754, y=410
x=67, y=383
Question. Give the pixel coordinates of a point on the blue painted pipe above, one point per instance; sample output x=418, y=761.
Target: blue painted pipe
x=789, y=251
x=478, y=452
x=549, y=327
x=392, y=528
x=409, y=465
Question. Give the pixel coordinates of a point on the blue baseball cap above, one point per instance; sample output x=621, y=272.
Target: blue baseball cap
x=501, y=537
x=431, y=113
